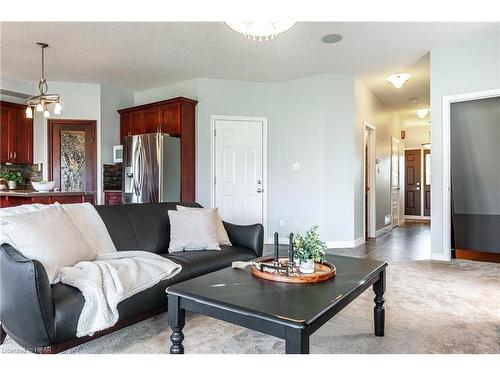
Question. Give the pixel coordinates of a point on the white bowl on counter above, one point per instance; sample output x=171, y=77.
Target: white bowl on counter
x=44, y=185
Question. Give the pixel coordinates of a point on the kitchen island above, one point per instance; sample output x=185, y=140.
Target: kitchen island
x=12, y=198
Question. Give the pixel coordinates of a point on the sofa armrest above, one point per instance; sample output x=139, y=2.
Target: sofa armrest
x=26, y=308
x=249, y=236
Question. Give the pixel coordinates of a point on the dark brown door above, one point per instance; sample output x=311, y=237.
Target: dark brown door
x=152, y=121
x=125, y=127
x=72, y=154
x=427, y=182
x=138, y=124
x=412, y=182
x=5, y=136
x=22, y=140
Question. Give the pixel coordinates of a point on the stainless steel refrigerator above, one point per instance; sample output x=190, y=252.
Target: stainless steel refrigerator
x=151, y=168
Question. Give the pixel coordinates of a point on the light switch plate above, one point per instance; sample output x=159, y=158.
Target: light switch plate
x=297, y=223
x=295, y=166
x=282, y=223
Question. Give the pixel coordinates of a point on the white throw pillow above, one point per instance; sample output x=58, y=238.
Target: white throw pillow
x=222, y=236
x=193, y=230
x=49, y=236
x=90, y=224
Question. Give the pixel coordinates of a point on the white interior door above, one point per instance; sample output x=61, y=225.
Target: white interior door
x=395, y=184
x=239, y=184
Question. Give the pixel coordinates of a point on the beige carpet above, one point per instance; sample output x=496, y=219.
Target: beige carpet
x=431, y=307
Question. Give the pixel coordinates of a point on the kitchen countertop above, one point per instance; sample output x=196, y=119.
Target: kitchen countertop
x=33, y=193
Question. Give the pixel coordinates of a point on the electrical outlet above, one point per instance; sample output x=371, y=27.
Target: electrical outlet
x=282, y=223
x=296, y=223
x=296, y=166
x=387, y=219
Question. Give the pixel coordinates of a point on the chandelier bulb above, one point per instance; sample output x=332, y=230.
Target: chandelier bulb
x=46, y=114
x=57, y=109
x=29, y=112
x=39, y=107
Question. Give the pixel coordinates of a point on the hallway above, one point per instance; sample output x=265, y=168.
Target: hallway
x=410, y=241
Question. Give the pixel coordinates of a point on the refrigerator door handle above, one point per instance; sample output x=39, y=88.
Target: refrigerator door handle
x=137, y=168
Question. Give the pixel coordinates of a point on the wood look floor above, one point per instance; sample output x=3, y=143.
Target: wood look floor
x=410, y=241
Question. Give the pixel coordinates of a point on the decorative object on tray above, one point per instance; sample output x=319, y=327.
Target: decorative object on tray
x=309, y=249
x=286, y=269
x=13, y=178
x=43, y=185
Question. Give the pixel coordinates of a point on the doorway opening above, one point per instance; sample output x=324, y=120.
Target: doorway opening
x=418, y=184
x=72, y=160
x=369, y=175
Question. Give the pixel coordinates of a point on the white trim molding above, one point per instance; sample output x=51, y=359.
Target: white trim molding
x=263, y=121
x=445, y=254
x=329, y=244
x=372, y=179
x=417, y=217
x=383, y=230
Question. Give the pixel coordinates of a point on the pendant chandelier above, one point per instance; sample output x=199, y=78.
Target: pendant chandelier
x=42, y=101
x=260, y=30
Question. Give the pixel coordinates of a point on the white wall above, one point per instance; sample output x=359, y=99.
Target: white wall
x=415, y=136
x=466, y=67
x=310, y=121
x=112, y=99
x=369, y=108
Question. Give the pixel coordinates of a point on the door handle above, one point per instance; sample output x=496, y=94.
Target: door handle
x=417, y=189
x=259, y=190
x=15, y=155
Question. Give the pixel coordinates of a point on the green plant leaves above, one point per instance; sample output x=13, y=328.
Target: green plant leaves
x=309, y=246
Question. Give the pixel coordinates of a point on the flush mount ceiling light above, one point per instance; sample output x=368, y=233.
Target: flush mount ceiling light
x=331, y=38
x=422, y=112
x=398, y=79
x=42, y=100
x=260, y=30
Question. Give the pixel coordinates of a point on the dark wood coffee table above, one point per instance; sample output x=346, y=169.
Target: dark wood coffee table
x=289, y=311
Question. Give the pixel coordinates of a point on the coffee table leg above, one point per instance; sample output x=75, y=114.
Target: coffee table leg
x=297, y=341
x=176, y=320
x=379, y=310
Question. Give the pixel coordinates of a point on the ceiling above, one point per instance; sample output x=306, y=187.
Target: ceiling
x=143, y=55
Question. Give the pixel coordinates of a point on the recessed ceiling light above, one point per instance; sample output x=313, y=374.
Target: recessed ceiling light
x=422, y=112
x=398, y=79
x=331, y=38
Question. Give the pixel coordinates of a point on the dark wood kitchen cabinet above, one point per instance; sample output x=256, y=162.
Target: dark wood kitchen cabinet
x=175, y=117
x=16, y=134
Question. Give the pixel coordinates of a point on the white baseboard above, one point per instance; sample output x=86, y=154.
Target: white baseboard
x=440, y=257
x=383, y=230
x=329, y=244
x=402, y=221
x=416, y=217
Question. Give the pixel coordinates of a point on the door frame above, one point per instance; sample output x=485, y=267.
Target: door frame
x=398, y=141
x=50, y=147
x=422, y=178
x=445, y=234
x=258, y=119
x=372, y=180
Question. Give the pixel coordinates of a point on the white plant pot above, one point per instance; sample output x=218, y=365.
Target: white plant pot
x=307, y=266
x=12, y=185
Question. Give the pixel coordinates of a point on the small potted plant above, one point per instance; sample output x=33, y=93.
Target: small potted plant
x=309, y=249
x=13, y=178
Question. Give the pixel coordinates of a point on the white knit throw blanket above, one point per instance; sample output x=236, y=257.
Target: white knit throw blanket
x=110, y=279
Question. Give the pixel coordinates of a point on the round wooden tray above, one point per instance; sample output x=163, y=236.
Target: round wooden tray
x=322, y=271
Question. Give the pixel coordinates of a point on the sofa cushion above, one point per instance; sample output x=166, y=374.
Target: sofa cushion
x=143, y=227
x=68, y=301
